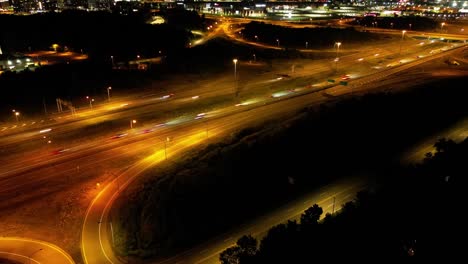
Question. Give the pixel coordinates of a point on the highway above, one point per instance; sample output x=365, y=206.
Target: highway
x=97, y=225
x=197, y=121
x=25, y=250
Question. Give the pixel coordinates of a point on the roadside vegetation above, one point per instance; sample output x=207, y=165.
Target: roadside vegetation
x=378, y=224
x=212, y=190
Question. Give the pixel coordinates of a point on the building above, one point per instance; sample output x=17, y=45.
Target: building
x=15, y=62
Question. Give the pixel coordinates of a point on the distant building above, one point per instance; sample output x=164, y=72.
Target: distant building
x=24, y=5
x=15, y=62
x=5, y=4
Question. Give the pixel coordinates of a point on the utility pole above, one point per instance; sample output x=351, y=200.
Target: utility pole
x=333, y=210
x=45, y=108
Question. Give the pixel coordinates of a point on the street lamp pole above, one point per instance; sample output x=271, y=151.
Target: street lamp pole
x=91, y=100
x=278, y=42
x=132, y=122
x=333, y=210
x=165, y=148
x=16, y=114
x=33, y=254
x=401, y=41
x=235, y=75
x=235, y=68
x=307, y=44
x=337, y=44
x=108, y=93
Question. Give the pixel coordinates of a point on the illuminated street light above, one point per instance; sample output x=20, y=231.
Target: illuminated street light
x=235, y=75
x=401, y=41
x=91, y=100
x=442, y=26
x=16, y=114
x=108, y=93
x=132, y=122
x=307, y=44
x=278, y=42
x=112, y=59
x=235, y=68
x=33, y=254
x=165, y=147
x=337, y=44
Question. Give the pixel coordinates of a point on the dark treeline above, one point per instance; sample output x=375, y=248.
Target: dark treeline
x=383, y=225
x=98, y=34
x=250, y=172
x=297, y=37
x=26, y=90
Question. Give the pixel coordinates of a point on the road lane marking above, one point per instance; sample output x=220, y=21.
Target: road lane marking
x=19, y=255
x=46, y=244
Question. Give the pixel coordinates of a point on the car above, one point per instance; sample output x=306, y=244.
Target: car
x=201, y=115
x=58, y=151
x=167, y=96
x=119, y=135
x=345, y=77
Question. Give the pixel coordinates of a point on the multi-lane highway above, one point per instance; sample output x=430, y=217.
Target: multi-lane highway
x=204, y=113
x=25, y=250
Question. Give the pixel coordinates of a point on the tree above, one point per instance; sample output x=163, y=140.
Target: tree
x=247, y=245
x=230, y=255
x=443, y=145
x=245, y=248
x=311, y=215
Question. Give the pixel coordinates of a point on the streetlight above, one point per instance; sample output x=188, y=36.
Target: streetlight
x=108, y=93
x=91, y=100
x=112, y=59
x=409, y=26
x=16, y=114
x=278, y=42
x=165, y=147
x=442, y=26
x=337, y=44
x=33, y=254
x=235, y=68
x=255, y=57
x=131, y=123
x=307, y=44
x=235, y=75
x=401, y=41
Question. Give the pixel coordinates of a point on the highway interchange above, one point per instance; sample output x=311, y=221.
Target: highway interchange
x=51, y=167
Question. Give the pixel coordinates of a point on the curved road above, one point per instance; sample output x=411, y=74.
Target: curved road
x=35, y=251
